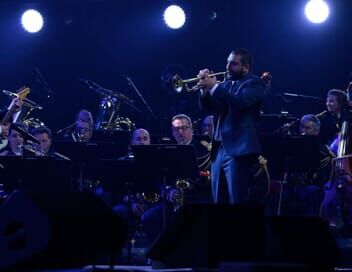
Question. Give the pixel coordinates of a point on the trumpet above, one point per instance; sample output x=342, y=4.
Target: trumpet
x=180, y=84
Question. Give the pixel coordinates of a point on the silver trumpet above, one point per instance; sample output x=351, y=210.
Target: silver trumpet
x=180, y=84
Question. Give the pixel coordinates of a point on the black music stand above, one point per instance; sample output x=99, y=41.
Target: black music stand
x=86, y=156
x=166, y=162
x=85, y=152
x=291, y=153
x=117, y=177
x=287, y=155
x=36, y=174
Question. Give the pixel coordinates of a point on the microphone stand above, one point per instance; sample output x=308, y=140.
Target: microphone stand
x=101, y=90
x=301, y=96
x=130, y=82
x=67, y=128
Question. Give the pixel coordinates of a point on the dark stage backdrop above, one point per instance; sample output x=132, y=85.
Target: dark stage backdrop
x=103, y=39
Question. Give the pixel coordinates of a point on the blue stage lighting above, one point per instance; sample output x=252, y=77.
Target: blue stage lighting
x=32, y=21
x=317, y=11
x=174, y=17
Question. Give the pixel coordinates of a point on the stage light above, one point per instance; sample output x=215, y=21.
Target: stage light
x=317, y=11
x=174, y=17
x=32, y=21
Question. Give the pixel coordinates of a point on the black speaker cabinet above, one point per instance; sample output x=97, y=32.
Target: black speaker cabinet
x=57, y=230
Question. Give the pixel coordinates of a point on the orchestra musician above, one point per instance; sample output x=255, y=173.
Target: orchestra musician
x=15, y=142
x=208, y=126
x=43, y=134
x=133, y=205
x=235, y=104
x=83, y=130
x=182, y=131
x=331, y=120
x=311, y=191
x=14, y=109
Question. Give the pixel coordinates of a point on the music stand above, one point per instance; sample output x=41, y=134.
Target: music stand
x=290, y=154
x=36, y=174
x=117, y=177
x=85, y=152
x=166, y=162
x=296, y=153
x=87, y=155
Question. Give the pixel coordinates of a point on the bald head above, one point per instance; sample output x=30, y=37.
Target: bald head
x=208, y=126
x=140, y=137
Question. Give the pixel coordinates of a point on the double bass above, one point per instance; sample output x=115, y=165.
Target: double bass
x=342, y=168
x=341, y=174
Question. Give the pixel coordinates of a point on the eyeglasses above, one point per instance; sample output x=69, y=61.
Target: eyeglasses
x=183, y=128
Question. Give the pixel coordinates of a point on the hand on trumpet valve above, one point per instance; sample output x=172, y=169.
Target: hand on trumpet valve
x=206, y=82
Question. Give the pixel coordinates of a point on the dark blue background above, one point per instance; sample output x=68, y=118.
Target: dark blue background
x=102, y=39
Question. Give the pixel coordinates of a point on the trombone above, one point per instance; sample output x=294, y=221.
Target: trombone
x=179, y=84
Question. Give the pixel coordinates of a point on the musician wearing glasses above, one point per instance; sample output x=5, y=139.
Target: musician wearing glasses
x=182, y=131
x=235, y=104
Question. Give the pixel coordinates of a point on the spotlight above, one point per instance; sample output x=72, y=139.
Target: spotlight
x=32, y=21
x=317, y=11
x=174, y=17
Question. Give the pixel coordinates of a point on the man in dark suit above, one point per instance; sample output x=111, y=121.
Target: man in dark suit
x=235, y=104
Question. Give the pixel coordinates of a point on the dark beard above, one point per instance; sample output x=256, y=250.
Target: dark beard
x=236, y=76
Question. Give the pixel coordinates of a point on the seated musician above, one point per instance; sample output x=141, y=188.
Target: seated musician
x=43, y=134
x=83, y=130
x=182, y=131
x=15, y=142
x=311, y=191
x=14, y=108
x=309, y=125
x=152, y=219
x=139, y=136
x=133, y=206
x=331, y=121
x=208, y=126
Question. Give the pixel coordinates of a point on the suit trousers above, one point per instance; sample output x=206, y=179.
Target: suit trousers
x=238, y=174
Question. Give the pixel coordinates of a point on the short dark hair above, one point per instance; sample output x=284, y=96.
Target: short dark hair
x=40, y=130
x=341, y=96
x=246, y=57
x=14, y=126
x=184, y=117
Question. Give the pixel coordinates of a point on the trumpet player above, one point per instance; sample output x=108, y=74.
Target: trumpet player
x=235, y=104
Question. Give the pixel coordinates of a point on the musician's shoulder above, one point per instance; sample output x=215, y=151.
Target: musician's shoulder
x=253, y=79
x=4, y=152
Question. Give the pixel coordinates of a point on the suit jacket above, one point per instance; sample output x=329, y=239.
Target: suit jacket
x=238, y=107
